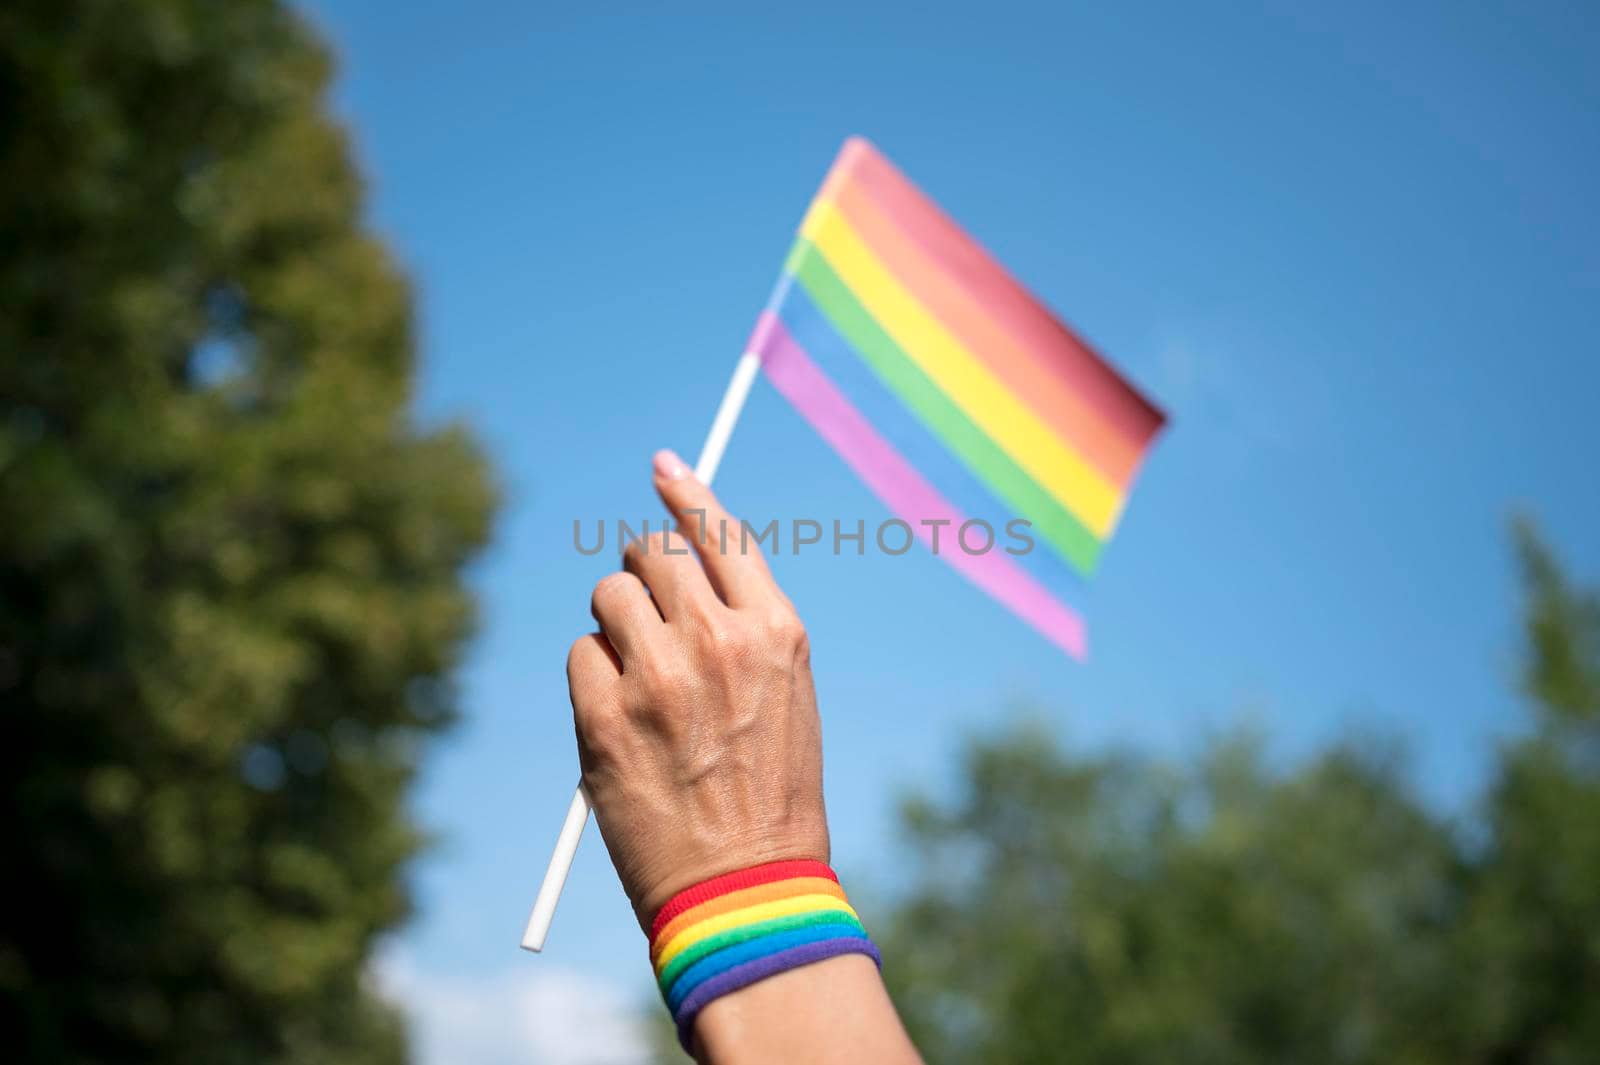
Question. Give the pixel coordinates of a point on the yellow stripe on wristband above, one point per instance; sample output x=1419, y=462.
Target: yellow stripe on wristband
x=738, y=900
x=749, y=915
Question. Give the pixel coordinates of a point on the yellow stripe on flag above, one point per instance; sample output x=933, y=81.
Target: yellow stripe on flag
x=994, y=408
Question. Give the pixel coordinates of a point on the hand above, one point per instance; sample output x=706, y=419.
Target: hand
x=696, y=718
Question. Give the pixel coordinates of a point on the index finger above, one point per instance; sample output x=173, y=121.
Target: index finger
x=735, y=564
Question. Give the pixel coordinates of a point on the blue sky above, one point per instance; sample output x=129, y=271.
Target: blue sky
x=1354, y=252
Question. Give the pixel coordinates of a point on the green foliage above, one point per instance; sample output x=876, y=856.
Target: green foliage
x=230, y=564
x=1532, y=933
x=1110, y=910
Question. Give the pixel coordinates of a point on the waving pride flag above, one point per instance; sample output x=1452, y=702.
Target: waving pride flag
x=952, y=392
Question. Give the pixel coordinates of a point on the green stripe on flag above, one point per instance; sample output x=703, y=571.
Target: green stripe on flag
x=975, y=448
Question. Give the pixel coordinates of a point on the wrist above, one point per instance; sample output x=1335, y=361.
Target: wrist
x=707, y=856
x=727, y=933
x=835, y=1012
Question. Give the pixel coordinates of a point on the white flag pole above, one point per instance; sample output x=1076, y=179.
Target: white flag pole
x=555, y=875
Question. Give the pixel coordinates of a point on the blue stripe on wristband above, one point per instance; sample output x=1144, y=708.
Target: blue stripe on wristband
x=733, y=930
x=742, y=976
x=726, y=959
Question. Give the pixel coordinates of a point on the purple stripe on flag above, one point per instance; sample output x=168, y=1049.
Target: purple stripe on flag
x=902, y=489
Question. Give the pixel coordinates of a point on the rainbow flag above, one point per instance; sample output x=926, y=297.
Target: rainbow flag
x=949, y=389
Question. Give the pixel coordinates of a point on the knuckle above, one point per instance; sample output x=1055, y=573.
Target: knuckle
x=661, y=679
x=725, y=640
x=601, y=724
x=608, y=588
x=584, y=659
x=784, y=628
x=656, y=544
x=789, y=633
x=575, y=653
x=800, y=645
x=638, y=548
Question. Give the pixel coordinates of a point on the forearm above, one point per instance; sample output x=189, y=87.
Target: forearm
x=831, y=1011
x=701, y=748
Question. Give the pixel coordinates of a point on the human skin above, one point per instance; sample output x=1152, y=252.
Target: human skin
x=701, y=750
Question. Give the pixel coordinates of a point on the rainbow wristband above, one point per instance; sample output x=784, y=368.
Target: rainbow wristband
x=733, y=930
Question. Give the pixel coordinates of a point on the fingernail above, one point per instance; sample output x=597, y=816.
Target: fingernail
x=670, y=466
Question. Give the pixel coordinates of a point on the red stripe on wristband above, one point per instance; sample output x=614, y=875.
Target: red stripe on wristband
x=744, y=878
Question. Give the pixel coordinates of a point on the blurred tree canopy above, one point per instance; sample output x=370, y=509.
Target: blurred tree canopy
x=230, y=563
x=1111, y=911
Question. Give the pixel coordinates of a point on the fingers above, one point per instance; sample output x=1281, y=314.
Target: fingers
x=732, y=560
x=667, y=566
x=591, y=664
x=625, y=613
x=593, y=670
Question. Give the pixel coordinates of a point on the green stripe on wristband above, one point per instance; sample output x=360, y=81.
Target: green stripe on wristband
x=749, y=932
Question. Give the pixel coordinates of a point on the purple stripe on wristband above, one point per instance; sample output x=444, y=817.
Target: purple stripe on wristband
x=741, y=976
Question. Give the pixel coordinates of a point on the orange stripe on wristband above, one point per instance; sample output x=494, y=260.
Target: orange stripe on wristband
x=735, y=900
x=761, y=911
x=736, y=881
x=729, y=932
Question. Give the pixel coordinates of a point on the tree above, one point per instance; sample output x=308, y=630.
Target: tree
x=1107, y=910
x=1531, y=934
x=230, y=561
x=1110, y=909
